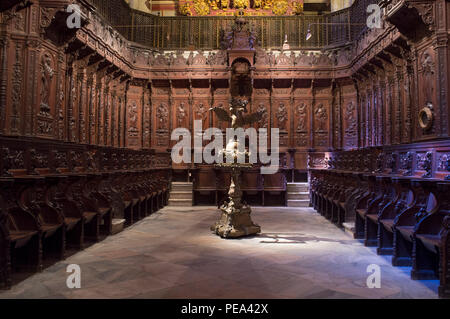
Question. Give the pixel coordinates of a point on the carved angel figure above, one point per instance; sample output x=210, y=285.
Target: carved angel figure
x=237, y=109
x=47, y=76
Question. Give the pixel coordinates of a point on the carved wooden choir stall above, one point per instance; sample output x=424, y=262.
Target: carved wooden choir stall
x=86, y=116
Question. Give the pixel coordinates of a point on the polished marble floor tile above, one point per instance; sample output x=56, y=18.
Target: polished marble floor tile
x=173, y=254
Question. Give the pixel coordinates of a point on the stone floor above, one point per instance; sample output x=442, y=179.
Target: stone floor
x=172, y=254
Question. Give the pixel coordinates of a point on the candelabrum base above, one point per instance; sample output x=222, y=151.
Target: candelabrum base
x=235, y=222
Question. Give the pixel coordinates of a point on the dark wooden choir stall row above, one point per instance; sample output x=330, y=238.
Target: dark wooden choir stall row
x=403, y=215
x=211, y=187
x=54, y=199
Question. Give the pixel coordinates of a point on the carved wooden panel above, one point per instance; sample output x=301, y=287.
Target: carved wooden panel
x=321, y=117
x=348, y=116
x=281, y=119
x=134, y=109
x=302, y=111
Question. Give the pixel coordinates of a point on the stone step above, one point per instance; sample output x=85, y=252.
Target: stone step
x=182, y=187
x=298, y=202
x=298, y=195
x=180, y=195
x=297, y=187
x=180, y=202
x=117, y=225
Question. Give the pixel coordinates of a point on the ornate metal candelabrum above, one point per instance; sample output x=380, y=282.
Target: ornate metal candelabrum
x=235, y=220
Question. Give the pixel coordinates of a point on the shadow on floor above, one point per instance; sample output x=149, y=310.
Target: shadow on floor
x=293, y=238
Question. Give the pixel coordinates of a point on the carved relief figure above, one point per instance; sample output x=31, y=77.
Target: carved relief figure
x=281, y=116
x=428, y=73
x=407, y=162
x=427, y=165
x=283, y=59
x=162, y=114
x=200, y=111
x=262, y=57
x=199, y=59
x=219, y=58
x=264, y=116
x=179, y=59
x=181, y=114
x=46, y=79
x=301, y=113
x=350, y=119
x=321, y=117
x=133, y=119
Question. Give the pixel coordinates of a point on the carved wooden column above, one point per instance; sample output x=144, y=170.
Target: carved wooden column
x=107, y=111
x=443, y=86
x=311, y=117
x=357, y=109
x=60, y=98
x=408, y=73
x=389, y=103
x=120, y=115
x=112, y=125
x=70, y=102
x=191, y=114
x=48, y=70
x=381, y=107
x=335, y=116
x=150, y=113
x=374, y=113
x=364, y=113
x=124, y=114
x=292, y=117
x=100, y=106
x=3, y=82
x=146, y=116
x=397, y=101
x=17, y=89
x=369, y=115
x=169, y=106
x=82, y=99
x=91, y=84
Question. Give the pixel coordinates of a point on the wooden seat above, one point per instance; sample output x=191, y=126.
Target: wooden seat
x=126, y=203
x=70, y=222
x=49, y=229
x=406, y=231
x=362, y=212
x=388, y=224
x=16, y=235
x=431, y=242
x=103, y=210
x=88, y=216
x=373, y=217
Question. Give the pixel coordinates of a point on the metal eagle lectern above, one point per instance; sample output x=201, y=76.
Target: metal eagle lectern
x=235, y=220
